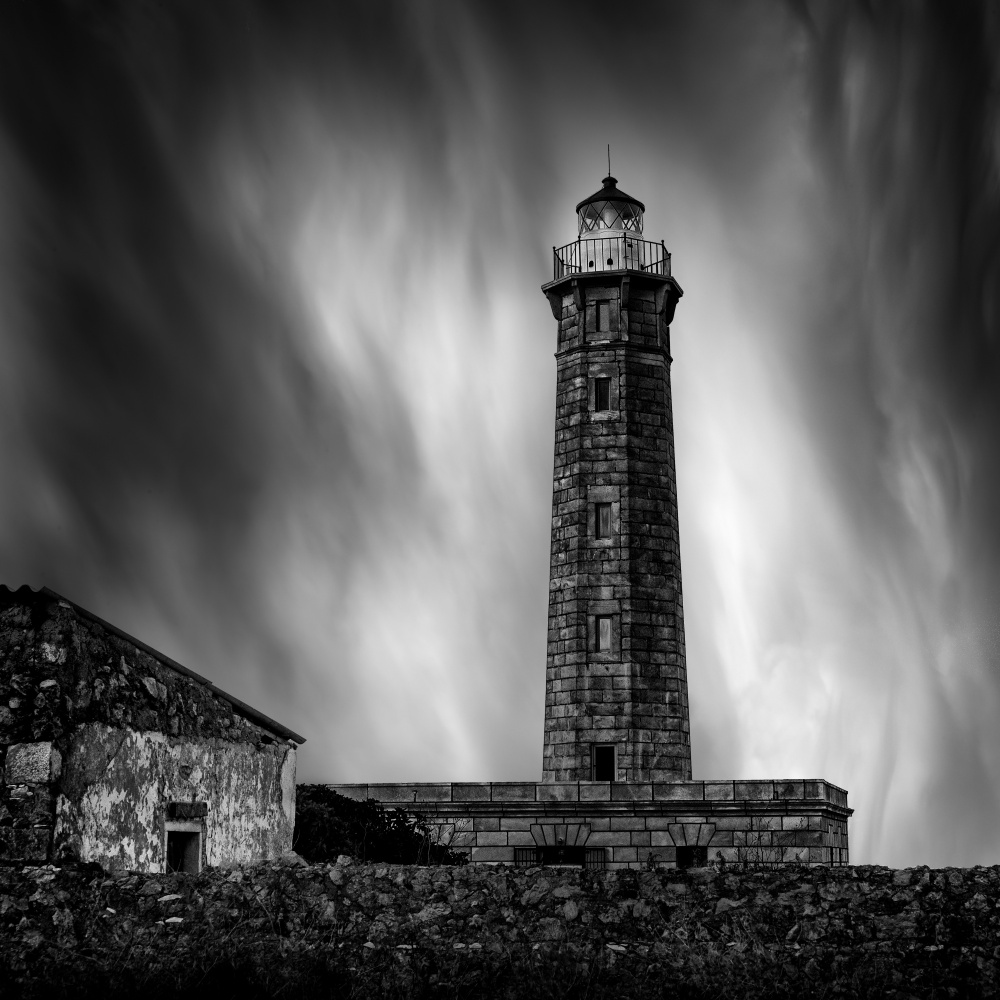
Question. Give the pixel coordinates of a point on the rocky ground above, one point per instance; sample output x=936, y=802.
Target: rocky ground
x=349, y=930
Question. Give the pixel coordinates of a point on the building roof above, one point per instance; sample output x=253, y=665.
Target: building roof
x=242, y=707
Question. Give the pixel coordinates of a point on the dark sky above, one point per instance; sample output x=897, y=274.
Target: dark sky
x=277, y=384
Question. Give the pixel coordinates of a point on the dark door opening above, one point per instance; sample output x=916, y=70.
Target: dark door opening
x=604, y=763
x=183, y=851
x=692, y=857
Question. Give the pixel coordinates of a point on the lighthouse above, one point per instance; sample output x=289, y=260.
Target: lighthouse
x=617, y=789
x=616, y=704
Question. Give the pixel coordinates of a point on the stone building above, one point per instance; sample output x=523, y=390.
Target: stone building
x=617, y=787
x=115, y=753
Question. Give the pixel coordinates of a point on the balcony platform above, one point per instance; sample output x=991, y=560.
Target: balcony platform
x=620, y=252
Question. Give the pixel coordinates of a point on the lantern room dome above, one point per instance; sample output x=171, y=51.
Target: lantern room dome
x=609, y=209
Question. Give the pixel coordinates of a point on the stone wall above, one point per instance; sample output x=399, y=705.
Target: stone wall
x=634, y=824
x=634, y=695
x=381, y=931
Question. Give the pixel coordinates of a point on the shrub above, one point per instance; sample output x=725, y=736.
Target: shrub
x=328, y=824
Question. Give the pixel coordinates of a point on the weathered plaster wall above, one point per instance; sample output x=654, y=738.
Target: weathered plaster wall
x=116, y=785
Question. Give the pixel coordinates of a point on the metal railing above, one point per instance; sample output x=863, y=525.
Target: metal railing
x=616, y=253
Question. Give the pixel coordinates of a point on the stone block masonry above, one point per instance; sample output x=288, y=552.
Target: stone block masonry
x=634, y=824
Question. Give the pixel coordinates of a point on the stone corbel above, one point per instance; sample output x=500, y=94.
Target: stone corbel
x=666, y=302
x=555, y=299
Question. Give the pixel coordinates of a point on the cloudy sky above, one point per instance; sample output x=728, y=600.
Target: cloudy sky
x=277, y=385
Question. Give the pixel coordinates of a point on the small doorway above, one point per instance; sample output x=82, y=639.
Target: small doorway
x=184, y=851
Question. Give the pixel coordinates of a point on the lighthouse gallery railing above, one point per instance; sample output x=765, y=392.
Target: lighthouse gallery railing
x=614, y=253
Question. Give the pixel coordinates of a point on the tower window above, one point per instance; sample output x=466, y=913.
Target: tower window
x=602, y=394
x=603, y=763
x=603, y=629
x=602, y=520
x=603, y=316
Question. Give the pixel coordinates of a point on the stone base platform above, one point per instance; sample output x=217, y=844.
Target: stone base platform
x=629, y=824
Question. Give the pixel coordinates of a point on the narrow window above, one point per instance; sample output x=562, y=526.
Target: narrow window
x=602, y=394
x=603, y=316
x=183, y=851
x=602, y=520
x=603, y=629
x=604, y=763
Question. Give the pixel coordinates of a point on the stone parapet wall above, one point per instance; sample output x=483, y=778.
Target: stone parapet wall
x=786, y=822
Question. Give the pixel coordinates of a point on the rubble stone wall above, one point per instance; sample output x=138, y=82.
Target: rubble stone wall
x=59, y=670
x=387, y=930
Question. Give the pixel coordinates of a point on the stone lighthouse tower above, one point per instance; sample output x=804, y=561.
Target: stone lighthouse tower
x=616, y=706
